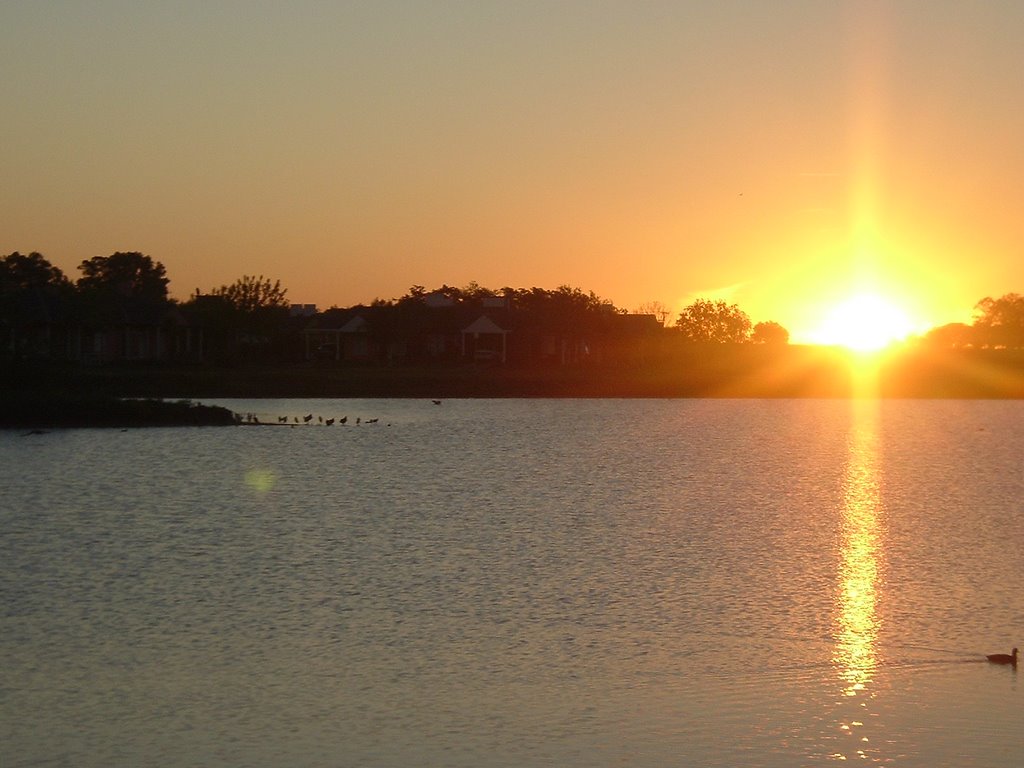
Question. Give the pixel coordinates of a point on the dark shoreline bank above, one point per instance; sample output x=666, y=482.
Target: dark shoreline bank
x=49, y=394
x=35, y=412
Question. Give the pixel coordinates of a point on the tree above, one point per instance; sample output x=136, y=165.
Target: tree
x=565, y=303
x=124, y=278
x=30, y=285
x=253, y=294
x=950, y=336
x=21, y=274
x=475, y=291
x=1000, y=322
x=769, y=332
x=714, y=321
x=33, y=293
x=249, y=317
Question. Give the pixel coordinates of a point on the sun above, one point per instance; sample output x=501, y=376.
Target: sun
x=865, y=322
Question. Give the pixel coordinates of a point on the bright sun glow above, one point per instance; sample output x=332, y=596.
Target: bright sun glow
x=865, y=322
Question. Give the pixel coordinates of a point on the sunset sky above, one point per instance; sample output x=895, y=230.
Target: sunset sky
x=780, y=154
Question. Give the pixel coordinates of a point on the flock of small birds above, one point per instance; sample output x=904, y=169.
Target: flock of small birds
x=292, y=421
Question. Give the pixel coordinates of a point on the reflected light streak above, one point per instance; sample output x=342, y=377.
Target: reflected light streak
x=864, y=377
x=857, y=623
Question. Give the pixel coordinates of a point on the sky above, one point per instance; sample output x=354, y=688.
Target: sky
x=783, y=155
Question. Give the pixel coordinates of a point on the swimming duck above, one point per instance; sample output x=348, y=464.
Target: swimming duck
x=1003, y=658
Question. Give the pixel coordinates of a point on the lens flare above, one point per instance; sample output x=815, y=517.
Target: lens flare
x=260, y=480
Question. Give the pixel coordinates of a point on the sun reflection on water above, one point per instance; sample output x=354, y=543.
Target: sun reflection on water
x=858, y=578
x=856, y=620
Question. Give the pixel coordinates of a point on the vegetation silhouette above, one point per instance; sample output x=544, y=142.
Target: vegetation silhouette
x=117, y=332
x=246, y=320
x=998, y=324
x=121, y=278
x=714, y=321
x=769, y=332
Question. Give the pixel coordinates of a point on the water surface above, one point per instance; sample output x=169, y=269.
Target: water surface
x=518, y=582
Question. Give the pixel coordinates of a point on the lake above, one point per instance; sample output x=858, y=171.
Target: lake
x=518, y=583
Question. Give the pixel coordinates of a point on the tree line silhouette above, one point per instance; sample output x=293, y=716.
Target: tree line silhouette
x=252, y=318
x=128, y=289
x=998, y=324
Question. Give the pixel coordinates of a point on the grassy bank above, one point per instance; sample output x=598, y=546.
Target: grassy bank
x=39, y=412
x=714, y=371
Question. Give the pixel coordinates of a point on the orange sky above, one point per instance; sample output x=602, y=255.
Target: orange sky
x=781, y=155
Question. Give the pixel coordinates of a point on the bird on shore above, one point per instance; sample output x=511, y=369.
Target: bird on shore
x=343, y=419
x=1003, y=658
x=329, y=422
x=436, y=402
x=307, y=418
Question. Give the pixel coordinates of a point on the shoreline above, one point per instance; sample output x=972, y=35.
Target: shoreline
x=34, y=395
x=36, y=412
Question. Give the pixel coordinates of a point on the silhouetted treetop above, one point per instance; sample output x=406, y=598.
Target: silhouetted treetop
x=951, y=335
x=416, y=292
x=769, y=332
x=122, y=286
x=1000, y=322
x=29, y=273
x=31, y=289
x=130, y=275
x=249, y=294
x=244, y=320
x=564, y=300
x=714, y=321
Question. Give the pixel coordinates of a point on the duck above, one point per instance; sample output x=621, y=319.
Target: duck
x=1003, y=658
